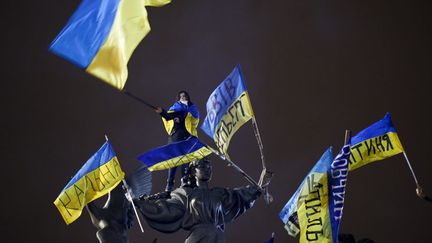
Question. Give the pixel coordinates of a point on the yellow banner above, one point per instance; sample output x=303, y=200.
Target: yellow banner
x=312, y=209
x=237, y=114
x=89, y=187
x=374, y=149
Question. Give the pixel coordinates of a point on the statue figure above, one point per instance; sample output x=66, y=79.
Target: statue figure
x=197, y=208
x=114, y=219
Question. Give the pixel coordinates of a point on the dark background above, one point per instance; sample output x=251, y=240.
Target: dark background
x=312, y=68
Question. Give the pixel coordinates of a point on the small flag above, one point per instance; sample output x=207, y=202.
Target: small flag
x=377, y=142
x=271, y=240
x=228, y=108
x=102, y=34
x=175, y=154
x=99, y=175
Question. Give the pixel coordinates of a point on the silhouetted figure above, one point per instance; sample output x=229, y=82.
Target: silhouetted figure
x=114, y=219
x=201, y=210
x=349, y=238
x=181, y=122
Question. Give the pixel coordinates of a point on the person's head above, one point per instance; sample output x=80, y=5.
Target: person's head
x=183, y=96
x=202, y=169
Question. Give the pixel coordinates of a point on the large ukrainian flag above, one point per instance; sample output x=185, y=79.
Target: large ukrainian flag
x=376, y=142
x=99, y=175
x=102, y=34
x=175, y=154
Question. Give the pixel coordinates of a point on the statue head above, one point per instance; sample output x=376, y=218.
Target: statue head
x=202, y=169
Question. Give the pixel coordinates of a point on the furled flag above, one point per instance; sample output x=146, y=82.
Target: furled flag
x=377, y=142
x=102, y=34
x=315, y=209
x=228, y=108
x=99, y=175
x=174, y=154
x=271, y=240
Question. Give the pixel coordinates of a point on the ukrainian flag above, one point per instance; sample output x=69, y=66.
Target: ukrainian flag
x=315, y=210
x=99, y=175
x=175, y=154
x=377, y=142
x=289, y=214
x=101, y=36
x=228, y=108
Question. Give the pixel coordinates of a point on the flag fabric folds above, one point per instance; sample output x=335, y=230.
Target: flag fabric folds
x=101, y=36
x=289, y=215
x=228, y=108
x=315, y=209
x=99, y=175
x=377, y=142
x=191, y=118
x=174, y=154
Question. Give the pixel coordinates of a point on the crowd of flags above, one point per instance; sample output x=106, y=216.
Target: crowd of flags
x=100, y=38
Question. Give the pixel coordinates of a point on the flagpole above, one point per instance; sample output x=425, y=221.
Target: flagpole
x=347, y=137
x=139, y=99
x=258, y=138
x=230, y=163
x=129, y=197
x=411, y=169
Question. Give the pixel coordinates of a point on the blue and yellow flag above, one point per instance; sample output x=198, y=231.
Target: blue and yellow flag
x=315, y=210
x=377, y=142
x=102, y=34
x=175, y=154
x=191, y=118
x=228, y=108
x=99, y=175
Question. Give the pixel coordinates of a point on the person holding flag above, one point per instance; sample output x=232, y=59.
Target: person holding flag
x=181, y=122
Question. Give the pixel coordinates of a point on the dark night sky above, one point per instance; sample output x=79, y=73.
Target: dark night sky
x=312, y=68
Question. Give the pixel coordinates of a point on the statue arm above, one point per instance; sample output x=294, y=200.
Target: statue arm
x=237, y=201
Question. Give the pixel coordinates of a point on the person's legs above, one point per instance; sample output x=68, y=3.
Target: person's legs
x=170, y=179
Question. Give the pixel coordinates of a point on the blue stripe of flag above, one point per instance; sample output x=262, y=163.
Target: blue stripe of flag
x=170, y=151
x=86, y=31
x=377, y=129
x=101, y=157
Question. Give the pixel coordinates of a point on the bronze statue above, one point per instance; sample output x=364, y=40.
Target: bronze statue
x=197, y=208
x=114, y=219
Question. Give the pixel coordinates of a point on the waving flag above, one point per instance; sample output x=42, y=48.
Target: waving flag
x=174, y=154
x=99, y=175
x=377, y=142
x=289, y=215
x=102, y=34
x=315, y=210
x=228, y=108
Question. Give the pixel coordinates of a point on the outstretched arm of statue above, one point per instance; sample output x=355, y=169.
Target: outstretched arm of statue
x=236, y=201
